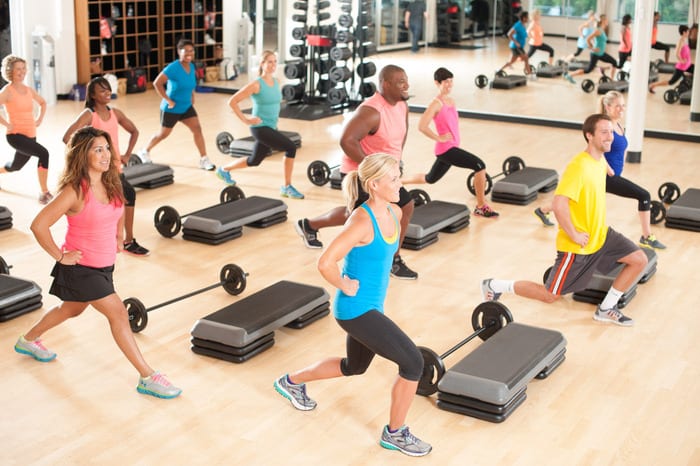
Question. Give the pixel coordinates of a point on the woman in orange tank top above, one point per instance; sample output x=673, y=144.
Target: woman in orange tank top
x=17, y=99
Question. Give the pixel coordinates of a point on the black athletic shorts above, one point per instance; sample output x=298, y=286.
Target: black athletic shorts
x=80, y=283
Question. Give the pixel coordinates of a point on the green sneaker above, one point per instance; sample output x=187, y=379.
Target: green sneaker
x=157, y=385
x=291, y=192
x=34, y=349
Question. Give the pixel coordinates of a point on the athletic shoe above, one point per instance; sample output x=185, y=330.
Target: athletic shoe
x=132, y=247
x=157, y=385
x=404, y=441
x=485, y=211
x=568, y=77
x=34, y=349
x=205, y=164
x=296, y=393
x=612, y=315
x=544, y=217
x=45, y=198
x=651, y=242
x=487, y=292
x=400, y=270
x=291, y=192
x=225, y=176
x=143, y=155
x=308, y=234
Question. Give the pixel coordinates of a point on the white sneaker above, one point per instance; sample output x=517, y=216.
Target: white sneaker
x=205, y=164
x=143, y=155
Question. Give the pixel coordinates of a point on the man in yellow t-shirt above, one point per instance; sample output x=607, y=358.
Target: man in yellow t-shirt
x=584, y=242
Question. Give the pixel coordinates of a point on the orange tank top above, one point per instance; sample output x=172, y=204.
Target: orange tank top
x=20, y=112
x=536, y=34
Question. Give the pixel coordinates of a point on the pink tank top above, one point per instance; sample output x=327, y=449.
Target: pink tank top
x=389, y=136
x=111, y=126
x=93, y=231
x=626, y=39
x=20, y=112
x=684, y=63
x=447, y=121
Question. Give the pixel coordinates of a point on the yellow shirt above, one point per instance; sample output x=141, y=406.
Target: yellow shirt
x=583, y=182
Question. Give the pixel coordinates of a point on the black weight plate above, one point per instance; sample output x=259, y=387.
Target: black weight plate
x=138, y=316
x=433, y=371
x=481, y=81
x=671, y=96
x=470, y=183
x=501, y=74
x=588, y=86
x=622, y=75
x=233, y=279
x=512, y=164
x=230, y=194
x=223, y=141
x=669, y=192
x=134, y=160
x=491, y=316
x=319, y=172
x=167, y=221
x=4, y=268
x=419, y=196
x=658, y=212
x=604, y=79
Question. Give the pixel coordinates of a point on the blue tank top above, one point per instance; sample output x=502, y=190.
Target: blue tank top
x=266, y=103
x=616, y=156
x=581, y=42
x=370, y=264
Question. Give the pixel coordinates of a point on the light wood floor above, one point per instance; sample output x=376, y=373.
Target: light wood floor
x=623, y=395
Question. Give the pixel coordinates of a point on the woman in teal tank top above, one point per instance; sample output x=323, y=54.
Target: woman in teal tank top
x=597, y=41
x=367, y=243
x=266, y=96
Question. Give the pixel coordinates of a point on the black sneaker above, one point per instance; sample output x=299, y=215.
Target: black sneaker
x=308, y=234
x=135, y=248
x=399, y=269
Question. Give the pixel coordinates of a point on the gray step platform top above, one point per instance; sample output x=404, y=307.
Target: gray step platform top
x=434, y=216
x=254, y=316
x=223, y=217
x=603, y=282
x=687, y=206
x=526, y=181
x=504, y=364
x=508, y=82
x=145, y=172
x=619, y=86
x=5, y=213
x=549, y=71
x=14, y=290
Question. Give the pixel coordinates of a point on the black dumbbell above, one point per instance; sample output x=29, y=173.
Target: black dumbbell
x=487, y=319
x=510, y=165
x=232, y=278
x=168, y=221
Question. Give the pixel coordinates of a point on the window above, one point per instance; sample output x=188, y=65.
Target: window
x=673, y=11
x=575, y=8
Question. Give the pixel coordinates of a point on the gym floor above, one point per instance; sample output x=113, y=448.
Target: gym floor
x=623, y=395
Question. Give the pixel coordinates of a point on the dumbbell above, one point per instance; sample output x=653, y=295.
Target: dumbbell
x=168, y=221
x=232, y=278
x=319, y=172
x=510, y=165
x=487, y=319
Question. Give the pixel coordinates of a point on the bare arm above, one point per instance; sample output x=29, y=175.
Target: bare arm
x=589, y=39
x=365, y=121
x=159, y=87
x=130, y=128
x=3, y=101
x=245, y=92
x=427, y=117
x=66, y=202
x=678, y=50
x=84, y=119
x=560, y=207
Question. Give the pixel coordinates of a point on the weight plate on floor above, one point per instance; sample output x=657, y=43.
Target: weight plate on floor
x=318, y=172
x=233, y=279
x=669, y=192
x=230, y=194
x=512, y=164
x=491, y=316
x=419, y=196
x=472, y=189
x=481, y=81
x=658, y=212
x=4, y=268
x=223, y=142
x=167, y=221
x=671, y=96
x=433, y=371
x=588, y=86
x=138, y=316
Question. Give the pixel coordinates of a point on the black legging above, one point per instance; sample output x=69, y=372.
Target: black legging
x=544, y=47
x=595, y=58
x=623, y=187
x=374, y=333
x=454, y=156
x=623, y=57
x=266, y=139
x=26, y=147
x=129, y=191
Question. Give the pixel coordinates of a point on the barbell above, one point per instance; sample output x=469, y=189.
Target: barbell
x=510, y=165
x=232, y=278
x=487, y=319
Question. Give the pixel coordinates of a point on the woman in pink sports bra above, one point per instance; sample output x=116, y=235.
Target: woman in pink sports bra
x=90, y=196
x=443, y=113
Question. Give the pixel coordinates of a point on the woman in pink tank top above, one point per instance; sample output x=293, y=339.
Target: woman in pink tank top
x=90, y=196
x=18, y=101
x=443, y=113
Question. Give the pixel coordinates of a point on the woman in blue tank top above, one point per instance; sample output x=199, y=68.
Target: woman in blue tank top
x=266, y=96
x=368, y=243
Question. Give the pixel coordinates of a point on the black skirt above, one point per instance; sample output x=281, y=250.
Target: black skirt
x=80, y=283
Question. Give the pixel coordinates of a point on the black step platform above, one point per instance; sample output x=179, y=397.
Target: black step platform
x=684, y=213
x=431, y=218
x=490, y=382
x=246, y=328
x=509, y=81
x=5, y=218
x=549, y=71
x=521, y=186
x=619, y=86
x=17, y=297
x=244, y=147
x=149, y=175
